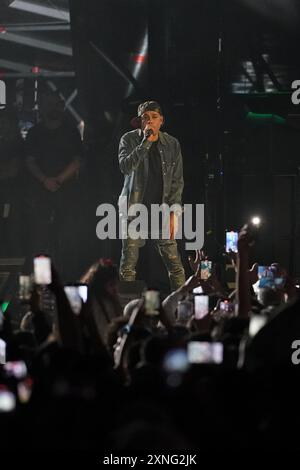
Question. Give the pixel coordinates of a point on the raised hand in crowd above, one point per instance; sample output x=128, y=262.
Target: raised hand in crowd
x=196, y=262
x=245, y=241
x=51, y=184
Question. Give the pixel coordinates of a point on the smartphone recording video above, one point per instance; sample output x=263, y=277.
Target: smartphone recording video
x=232, y=241
x=202, y=352
x=152, y=302
x=198, y=290
x=176, y=361
x=25, y=287
x=42, y=270
x=201, y=306
x=7, y=400
x=15, y=369
x=257, y=322
x=77, y=295
x=262, y=271
x=2, y=351
x=226, y=306
x=206, y=269
x=266, y=277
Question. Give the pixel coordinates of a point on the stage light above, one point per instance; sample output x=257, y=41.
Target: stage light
x=42, y=10
x=37, y=43
x=256, y=221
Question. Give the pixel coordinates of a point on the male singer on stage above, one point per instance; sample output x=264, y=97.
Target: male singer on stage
x=151, y=162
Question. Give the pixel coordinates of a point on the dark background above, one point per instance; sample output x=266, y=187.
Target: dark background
x=209, y=63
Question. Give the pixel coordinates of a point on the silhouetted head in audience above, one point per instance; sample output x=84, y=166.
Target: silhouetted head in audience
x=102, y=278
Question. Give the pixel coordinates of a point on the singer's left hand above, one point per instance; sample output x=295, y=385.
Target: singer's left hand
x=173, y=225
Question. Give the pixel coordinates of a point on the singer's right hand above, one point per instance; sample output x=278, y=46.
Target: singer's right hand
x=149, y=135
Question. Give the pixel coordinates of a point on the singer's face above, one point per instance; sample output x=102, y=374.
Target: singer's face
x=152, y=120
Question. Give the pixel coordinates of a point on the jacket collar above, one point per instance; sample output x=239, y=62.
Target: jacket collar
x=162, y=138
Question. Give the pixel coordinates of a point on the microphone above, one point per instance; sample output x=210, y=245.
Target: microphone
x=148, y=132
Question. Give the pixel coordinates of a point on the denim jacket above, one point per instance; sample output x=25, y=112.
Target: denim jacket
x=134, y=164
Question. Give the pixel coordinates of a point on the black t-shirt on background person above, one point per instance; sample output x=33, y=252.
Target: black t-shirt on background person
x=53, y=150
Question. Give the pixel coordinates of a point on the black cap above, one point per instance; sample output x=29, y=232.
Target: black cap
x=143, y=107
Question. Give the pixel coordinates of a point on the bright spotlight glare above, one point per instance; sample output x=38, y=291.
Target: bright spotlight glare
x=256, y=220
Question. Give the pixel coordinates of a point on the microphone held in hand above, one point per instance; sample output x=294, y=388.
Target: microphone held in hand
x=148, y=132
